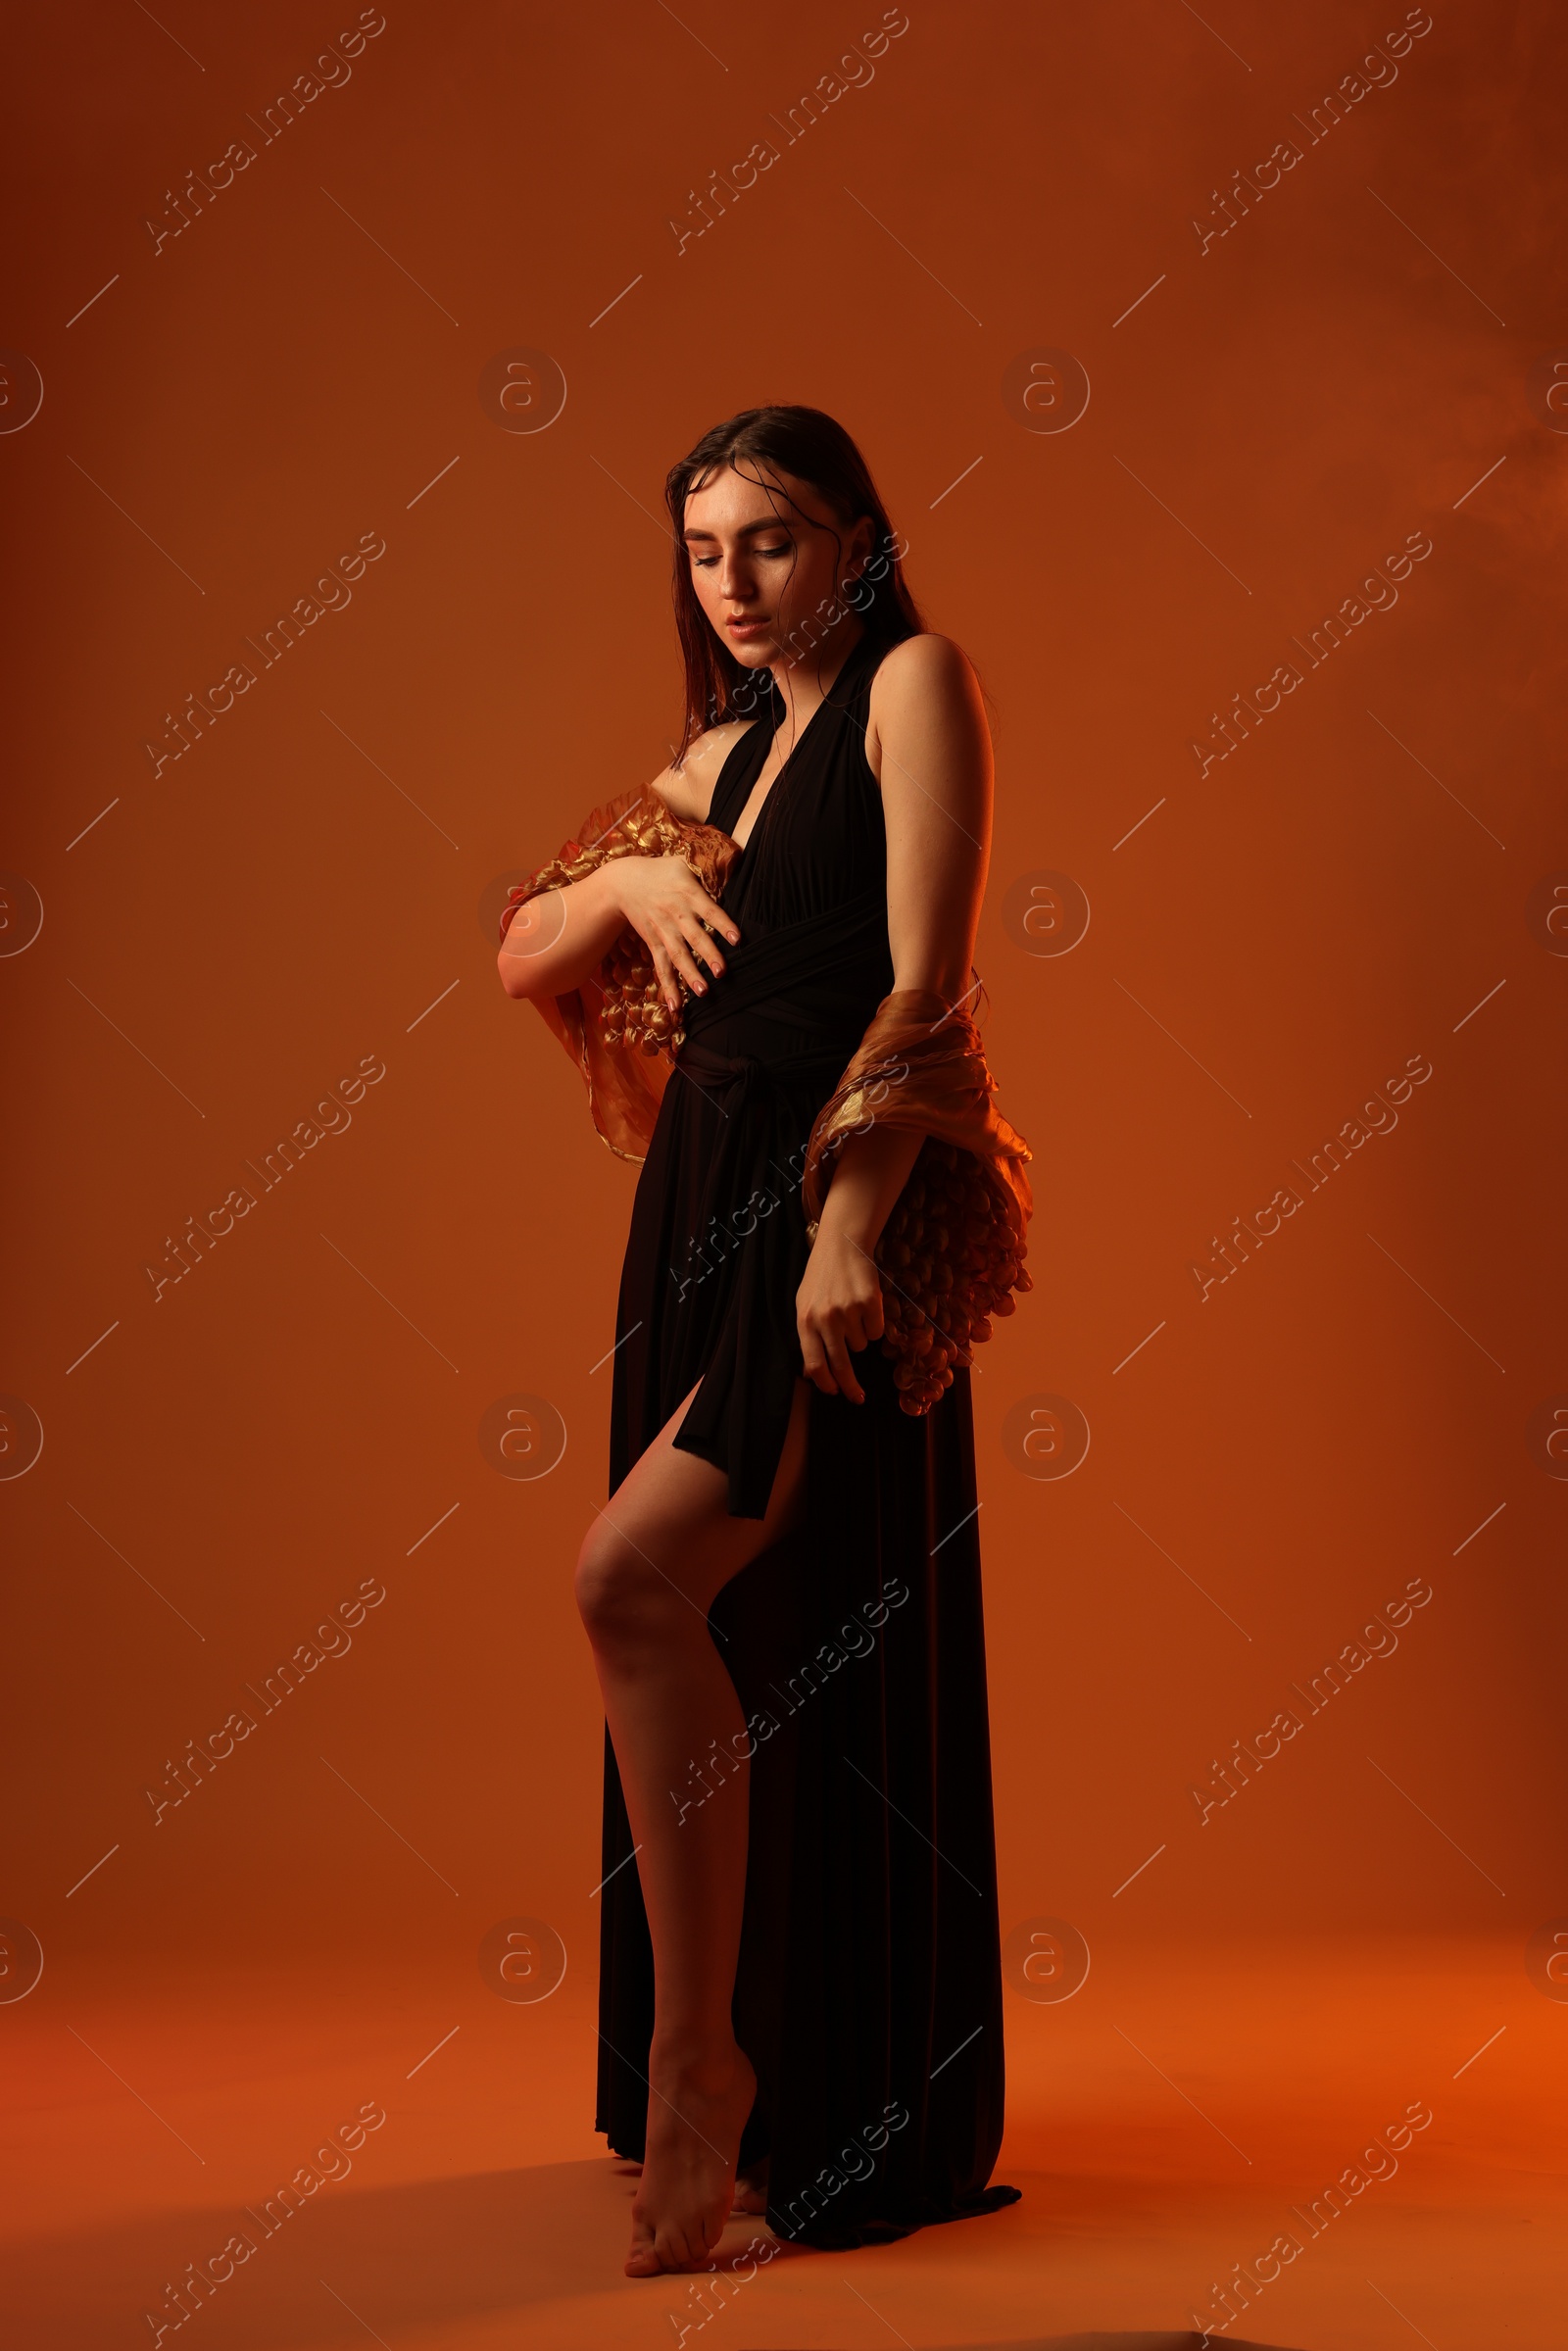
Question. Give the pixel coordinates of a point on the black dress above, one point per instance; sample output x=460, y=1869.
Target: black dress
x=868, y=1992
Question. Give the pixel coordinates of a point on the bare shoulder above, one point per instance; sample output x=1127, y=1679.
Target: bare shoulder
x=687, y=790
x=926, y=662
x=926, y=687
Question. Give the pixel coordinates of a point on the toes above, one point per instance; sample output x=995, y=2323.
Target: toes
x=642, y=2259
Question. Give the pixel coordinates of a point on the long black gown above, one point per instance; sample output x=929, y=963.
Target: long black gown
x=869, y=1986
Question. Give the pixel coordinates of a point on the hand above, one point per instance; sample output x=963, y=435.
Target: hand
x=668, y=907
x=838, y=1306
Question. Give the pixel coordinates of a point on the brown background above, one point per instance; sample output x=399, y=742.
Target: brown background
x=236, y=932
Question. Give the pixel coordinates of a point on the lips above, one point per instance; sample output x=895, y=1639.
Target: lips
x=746, y=628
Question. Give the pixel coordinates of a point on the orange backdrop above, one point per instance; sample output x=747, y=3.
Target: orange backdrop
x=310, y=359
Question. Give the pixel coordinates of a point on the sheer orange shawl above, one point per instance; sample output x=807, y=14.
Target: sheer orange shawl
x=622, y=1039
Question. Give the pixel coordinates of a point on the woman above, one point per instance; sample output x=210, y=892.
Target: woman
x=800, y=2000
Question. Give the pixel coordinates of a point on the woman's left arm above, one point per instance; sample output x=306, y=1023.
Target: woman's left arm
x=930, y=748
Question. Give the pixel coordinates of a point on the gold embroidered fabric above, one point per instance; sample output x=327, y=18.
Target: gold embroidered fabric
x=951, y=1253
x=624, y=1037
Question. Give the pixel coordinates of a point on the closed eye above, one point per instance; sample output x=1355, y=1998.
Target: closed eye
x=703, y=562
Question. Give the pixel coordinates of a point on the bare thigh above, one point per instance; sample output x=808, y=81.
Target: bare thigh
x=672, y=1509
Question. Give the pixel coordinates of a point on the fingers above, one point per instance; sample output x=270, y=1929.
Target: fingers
x=680, y=957
x=843, y=1370
x=707, y=910
x=703, y=944
x=825, y=1345
x=668, y=985
x=678, y=935
x=814, y=1362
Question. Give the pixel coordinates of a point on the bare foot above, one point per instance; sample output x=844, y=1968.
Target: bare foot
x=696, y=2110
x=750, y=2188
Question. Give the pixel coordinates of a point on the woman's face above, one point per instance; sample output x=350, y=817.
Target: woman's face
x=767, y=559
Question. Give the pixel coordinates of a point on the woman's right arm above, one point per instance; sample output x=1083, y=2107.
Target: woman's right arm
x=557, y=939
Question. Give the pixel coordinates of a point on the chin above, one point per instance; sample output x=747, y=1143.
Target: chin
x=754, y=653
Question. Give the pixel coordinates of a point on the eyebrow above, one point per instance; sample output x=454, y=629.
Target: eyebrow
x=774, y=522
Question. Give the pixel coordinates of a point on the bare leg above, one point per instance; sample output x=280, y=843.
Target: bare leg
x=649, y=1568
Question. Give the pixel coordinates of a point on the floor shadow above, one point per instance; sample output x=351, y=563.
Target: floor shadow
x=428, y=2253
x=445, y=2250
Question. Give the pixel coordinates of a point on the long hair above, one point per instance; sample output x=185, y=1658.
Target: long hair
x=815, y=449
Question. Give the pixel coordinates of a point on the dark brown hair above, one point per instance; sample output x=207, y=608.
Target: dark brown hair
x=815, y=449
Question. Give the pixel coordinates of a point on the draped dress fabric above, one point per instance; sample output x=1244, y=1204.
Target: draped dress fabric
x=868, y=1988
